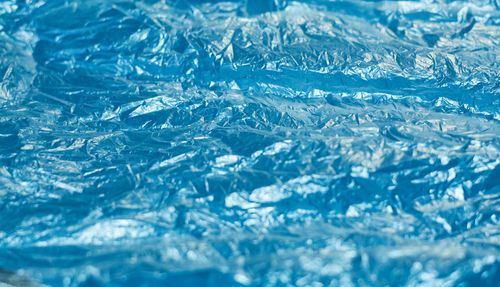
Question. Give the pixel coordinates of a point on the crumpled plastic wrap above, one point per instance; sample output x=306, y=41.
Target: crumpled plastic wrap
x=250, y=143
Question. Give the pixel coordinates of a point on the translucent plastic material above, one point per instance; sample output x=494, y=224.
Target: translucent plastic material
x=249, y=143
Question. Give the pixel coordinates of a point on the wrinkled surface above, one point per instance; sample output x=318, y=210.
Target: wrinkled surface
x=250, y=143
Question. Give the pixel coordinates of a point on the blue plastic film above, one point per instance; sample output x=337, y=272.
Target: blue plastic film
x=249, y=143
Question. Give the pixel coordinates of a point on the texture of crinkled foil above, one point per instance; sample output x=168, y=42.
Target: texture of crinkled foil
x=249, y=143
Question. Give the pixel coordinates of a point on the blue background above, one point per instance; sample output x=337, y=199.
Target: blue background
x=250, y=143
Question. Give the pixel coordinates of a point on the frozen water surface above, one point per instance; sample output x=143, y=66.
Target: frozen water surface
x=249, y=143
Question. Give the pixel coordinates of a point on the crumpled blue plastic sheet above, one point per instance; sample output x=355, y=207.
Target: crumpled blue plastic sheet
x=249, y=143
